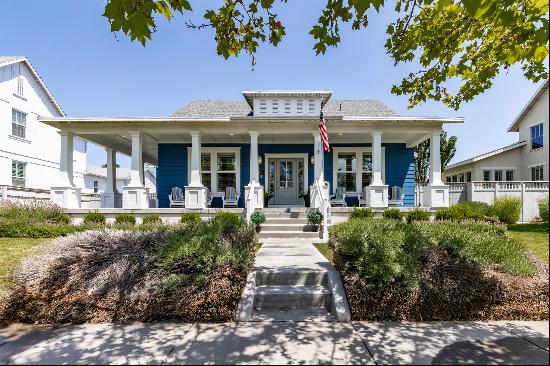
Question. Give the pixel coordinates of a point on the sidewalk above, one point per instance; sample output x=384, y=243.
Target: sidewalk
x=278, y=343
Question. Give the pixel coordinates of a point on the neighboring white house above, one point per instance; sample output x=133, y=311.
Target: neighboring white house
x=95, y=179
x=525, y=160
x=30, y=150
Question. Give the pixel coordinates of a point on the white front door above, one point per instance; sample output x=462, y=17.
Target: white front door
x=286, y=182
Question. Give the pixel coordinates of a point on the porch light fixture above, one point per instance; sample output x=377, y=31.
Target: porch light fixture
x=260, y=160
x=312, y=160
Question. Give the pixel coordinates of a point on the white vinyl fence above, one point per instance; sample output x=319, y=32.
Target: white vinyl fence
x=528, y=192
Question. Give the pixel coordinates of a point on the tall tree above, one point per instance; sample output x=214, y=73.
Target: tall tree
x=467, y=41
x=422, y=156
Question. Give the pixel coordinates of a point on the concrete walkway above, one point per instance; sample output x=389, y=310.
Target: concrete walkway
x=278, y=343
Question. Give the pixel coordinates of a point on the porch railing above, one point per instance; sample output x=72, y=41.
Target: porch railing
x=250, y=201
x=321, y=201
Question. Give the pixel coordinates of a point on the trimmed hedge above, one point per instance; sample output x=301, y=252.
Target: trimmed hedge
x=361, y=213
x=393, y=213
x=94, y=218
x=151, y=219
x=125, y=219
x=507, y=209
x=189, y=217
x=476, y=211
x=418, y=214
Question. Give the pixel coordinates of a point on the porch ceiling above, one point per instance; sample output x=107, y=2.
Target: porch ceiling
x=115, y=132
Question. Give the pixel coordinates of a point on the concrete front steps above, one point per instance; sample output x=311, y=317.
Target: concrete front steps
x=292, y=281
x=289, y=222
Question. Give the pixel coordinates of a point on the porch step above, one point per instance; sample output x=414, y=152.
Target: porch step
x=278, y=315
x=288, y=234
x=270, y=226
x=285, y=220
x=291, y=297
x=291, y=277
x=286, y=215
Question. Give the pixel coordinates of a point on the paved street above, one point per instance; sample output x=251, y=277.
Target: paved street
x=278, y=343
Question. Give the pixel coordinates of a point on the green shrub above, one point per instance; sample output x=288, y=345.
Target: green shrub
x=361, y=213
x=94, y=218
x=393, y=213
x=543, y=208
x=507, y=209
x=314, y=216
x=477, y=210
x=151, y=219
x=418, y=214
x=257, y=218
x=10, y=229
x=229, y=221
x=464, y=211
x=190, y=217
x=125, y=219
x=382, y=251
x=444, y=214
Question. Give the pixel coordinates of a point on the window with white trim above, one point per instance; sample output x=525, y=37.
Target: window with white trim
x=95, y=184
x=227, y=171
x=455, y=178
x=537, y=136
x=537, y=172
x=347, y=170
x=448, y=179
x=498, y=175
x=18, y=123
x=509, y=175
x=206, y=169
x=487, y=175
x=468, y=176
x=366, y=172
x=461, y=178
x=18, y=175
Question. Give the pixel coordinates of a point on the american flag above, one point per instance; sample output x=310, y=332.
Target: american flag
x=323, y=133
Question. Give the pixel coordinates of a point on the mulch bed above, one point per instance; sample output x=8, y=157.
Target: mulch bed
x=449, y=289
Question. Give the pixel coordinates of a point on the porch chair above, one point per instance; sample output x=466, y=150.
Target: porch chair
x=396, y=196
x=208, y=197
x=176, y=197
x=363, y=197
x=231, y=198
x=339, y=198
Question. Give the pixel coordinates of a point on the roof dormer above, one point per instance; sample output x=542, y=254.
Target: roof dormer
x=286, y=103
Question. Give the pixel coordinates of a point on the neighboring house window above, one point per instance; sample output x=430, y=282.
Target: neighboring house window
x=18, y=123
x=347, y=168
x=366, y=178
x=537, y=172
x=455, y=178
x=461, y=178
x=448, y=179
x=18, y=173
x=537, y=136
x=227, y=171
x=486, y=175
x=96, y=185
x=468, y=176
x=498, y=175
x=206, y=169
x=509, y=175
x=20, y=86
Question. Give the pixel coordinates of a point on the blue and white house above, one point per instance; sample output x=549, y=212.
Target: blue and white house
x=267, y=146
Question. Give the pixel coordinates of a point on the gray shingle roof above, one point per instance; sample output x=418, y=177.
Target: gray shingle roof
x=236, y=108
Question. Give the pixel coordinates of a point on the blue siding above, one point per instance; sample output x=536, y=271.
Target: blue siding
x=172, y=170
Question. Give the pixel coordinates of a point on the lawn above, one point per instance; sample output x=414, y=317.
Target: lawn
x=533, y=236
x=326, y=251
x=12, y=251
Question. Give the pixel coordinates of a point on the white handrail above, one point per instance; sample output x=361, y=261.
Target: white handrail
x=250, y=202
x=324, y=202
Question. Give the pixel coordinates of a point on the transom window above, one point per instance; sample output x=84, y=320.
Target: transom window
x=18, y=173
x=18, y=123
x=537, y=136
x=537, y=172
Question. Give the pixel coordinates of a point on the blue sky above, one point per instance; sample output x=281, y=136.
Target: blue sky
x=92, y=72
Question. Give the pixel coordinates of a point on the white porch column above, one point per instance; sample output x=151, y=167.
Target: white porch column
x=195, y=192
x=436, y=194
x=318, y=155
x=65, y=193
x=376, y=193
x=111, y=197
x=136, y=195
x=254, y=172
